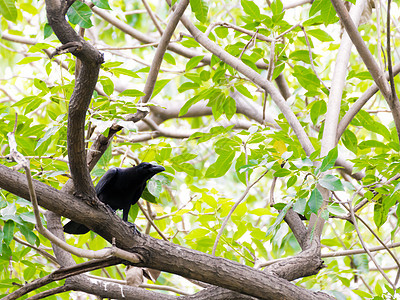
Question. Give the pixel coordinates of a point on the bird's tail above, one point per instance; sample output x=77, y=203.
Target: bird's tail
x=75, y=228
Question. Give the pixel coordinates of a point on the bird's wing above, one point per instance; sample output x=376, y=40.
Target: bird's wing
x=108, y=178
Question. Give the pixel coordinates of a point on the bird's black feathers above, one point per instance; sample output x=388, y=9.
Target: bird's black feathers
x=119, y=188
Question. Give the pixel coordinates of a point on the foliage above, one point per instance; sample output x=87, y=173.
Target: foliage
x=220, y=151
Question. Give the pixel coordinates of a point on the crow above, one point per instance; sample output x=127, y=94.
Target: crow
x=119, y=188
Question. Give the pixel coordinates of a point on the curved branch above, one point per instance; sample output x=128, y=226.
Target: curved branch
x=91, y=60
x=157, y=254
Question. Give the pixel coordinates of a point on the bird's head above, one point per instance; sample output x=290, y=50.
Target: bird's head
x=148, y=170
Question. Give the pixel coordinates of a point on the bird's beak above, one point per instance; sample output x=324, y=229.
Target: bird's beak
x=157, y=169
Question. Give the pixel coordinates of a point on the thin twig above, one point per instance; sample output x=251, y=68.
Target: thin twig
x=152, y=17
x=233, y=209
x=249, y=44
x=151, y=222
x=311, y=58
x=364, y=245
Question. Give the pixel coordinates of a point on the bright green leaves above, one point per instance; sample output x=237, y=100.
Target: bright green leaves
x=79, y=14
x=382, y=206
x=318, y=108
x=193, y=62
x=200, y=9
x=349, y=140
x=331, y=183
x=280, y=217
x=8, y=231
x=320, y=34
x=222, y=165
x=217, y=100
x=329, y=160
x=315, y=201
x=326, y=10
x=307, y=79
x=8, y=10
x=108, y=85
x=250, y=8
x=102, y=4
x=181, y=164
x=370, y=124
x=226, y=150
x=132, y=93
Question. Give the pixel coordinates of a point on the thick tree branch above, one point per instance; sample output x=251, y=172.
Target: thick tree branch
x=91, y=60
x=329, y=140
x=157, y=254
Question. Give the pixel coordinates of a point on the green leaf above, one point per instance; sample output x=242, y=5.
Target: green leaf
x=292, y=180
x=29, y=272
x=132, y=93
x=336, y=210
x=200, y=9
x=146, y=195
x=278, y=70
x=29, y=59
x=122, y=71
x=222, y=164
x=306, y=78
x=229, y=107
x=362, y=294
x=154, y=187
x=372, y=144
x=369, y=123
x=33, y=105
x=221, y=32
x=360, y=75
x=279, y=218
x=331, y=183
x=188, y=86
x=317, y=109
x=79, y=14
x=325, y=7
x=187, y=168
x=183, y=157
x=277, y=7
x=349, y=140
x=193, y=62
x=189, y=104
x=169, y=58
x=302, y=55
x=159, y=86
x=250, y=8
x=29, y=235
x=243, y=90
x=49, y=133
x=8, y=10
x=8, y=231
x=102, y=4
x=380, y=214
x=315, y=201
x=108, y=85
x=106, y=157
x=47, y=31
x=329, y=160
x=321, y=35
x=282, y=173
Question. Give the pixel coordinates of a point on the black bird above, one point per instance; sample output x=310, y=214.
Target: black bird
x=119, y=188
